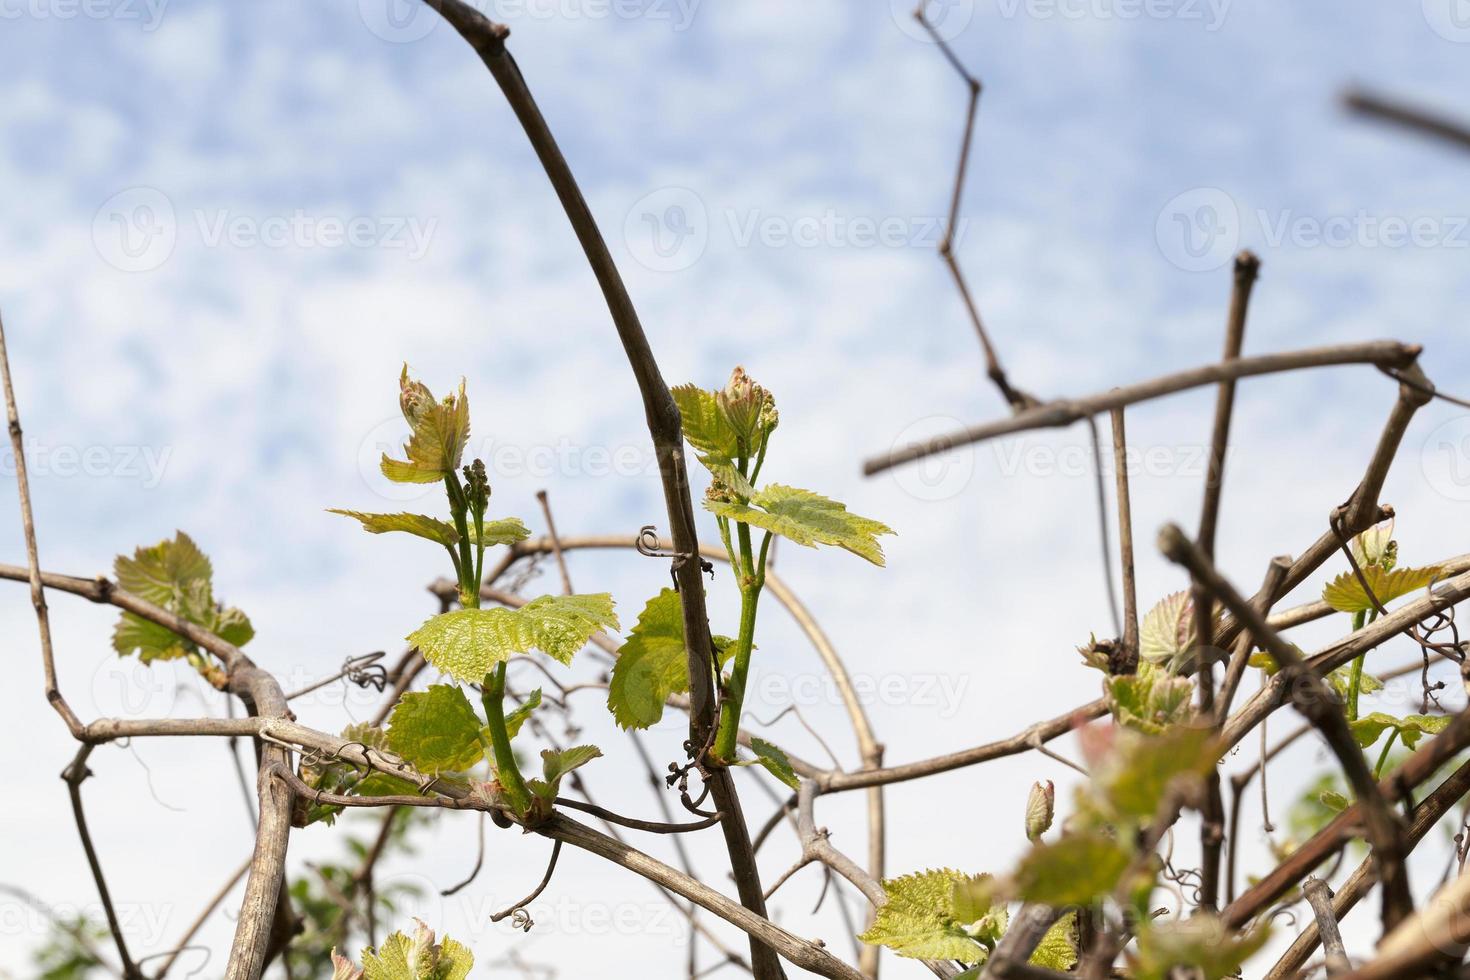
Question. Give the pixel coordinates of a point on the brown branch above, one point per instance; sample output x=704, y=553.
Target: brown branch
x=1017, y=400
x=1063, y=412
x=1212, y=814
x=28, y=526
x=1342, y=651
x=1319, y=896
x=488, y=40
x=1128, y=659
x=1311, y=696
x=1409, y=117
x=1361, y=881
x=74, y=775
x=1418, y=767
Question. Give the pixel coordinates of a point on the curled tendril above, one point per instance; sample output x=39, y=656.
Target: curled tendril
x=647, y=545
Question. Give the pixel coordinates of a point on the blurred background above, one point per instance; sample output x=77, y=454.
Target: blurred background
x=224, y=227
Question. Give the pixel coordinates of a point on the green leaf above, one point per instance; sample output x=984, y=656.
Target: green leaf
x=438, y=431
x=1058, y=948
x=175, y=575
x=162, y=573
x=1333, y=800
x=466, y=643
x=705, y=426
x=557, y=763
x=517, y=718
x=774, y=761
x=134, y=634
x=436, y=731
x=1167, y=633
x=1151, y=700
x=1073, y=871
x=808, y=519
x=1201, y=941
x=1143, y=768
x=1370, y=727
x=433, y=529
x=652, y=664
x=506, y=530
x=918, y=920
x=418, y=958
x=1345, y=593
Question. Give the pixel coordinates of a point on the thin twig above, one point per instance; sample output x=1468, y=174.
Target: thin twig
x=1063, y=412
x=1128, y=659
x=28, y=527
x=1319, y=896
x=74, y=775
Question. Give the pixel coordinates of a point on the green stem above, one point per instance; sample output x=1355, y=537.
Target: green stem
x=1383, y=756
x=1356, y=678
x=469, y=592
x=750, y=592
x=509, y=774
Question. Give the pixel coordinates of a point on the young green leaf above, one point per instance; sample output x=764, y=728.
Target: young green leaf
x=557, y=763
x=441, y=532
x=1143, y=768
x=466, y=643
x=1151, y=700
x=1073, y=871
x=1040, y=807
x=505, y=530
x=438, y=432
x=1058, y=948
x=1333, y=801
x=774, y=760
x=652, y=664
x=919, y=919
x=517, y=718
x=1167, y=635
x=806, y=518
x=1370, y=727
x=1201, y=941
x=175, y=575
x=437, y=730
x=418, y=958
x=1345, y=593
x=705, y=426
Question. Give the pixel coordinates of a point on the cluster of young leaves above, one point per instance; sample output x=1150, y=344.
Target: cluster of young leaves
x=176, y=576
x=439, y=731
x=402, y=957
x=943, y=914
x=733, y=425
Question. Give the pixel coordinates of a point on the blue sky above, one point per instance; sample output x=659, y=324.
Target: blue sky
x=227, y=226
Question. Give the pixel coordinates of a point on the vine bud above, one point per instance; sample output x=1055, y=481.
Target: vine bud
x=1040, y=809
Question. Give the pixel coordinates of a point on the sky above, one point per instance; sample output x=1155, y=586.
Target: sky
x=226, y=227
